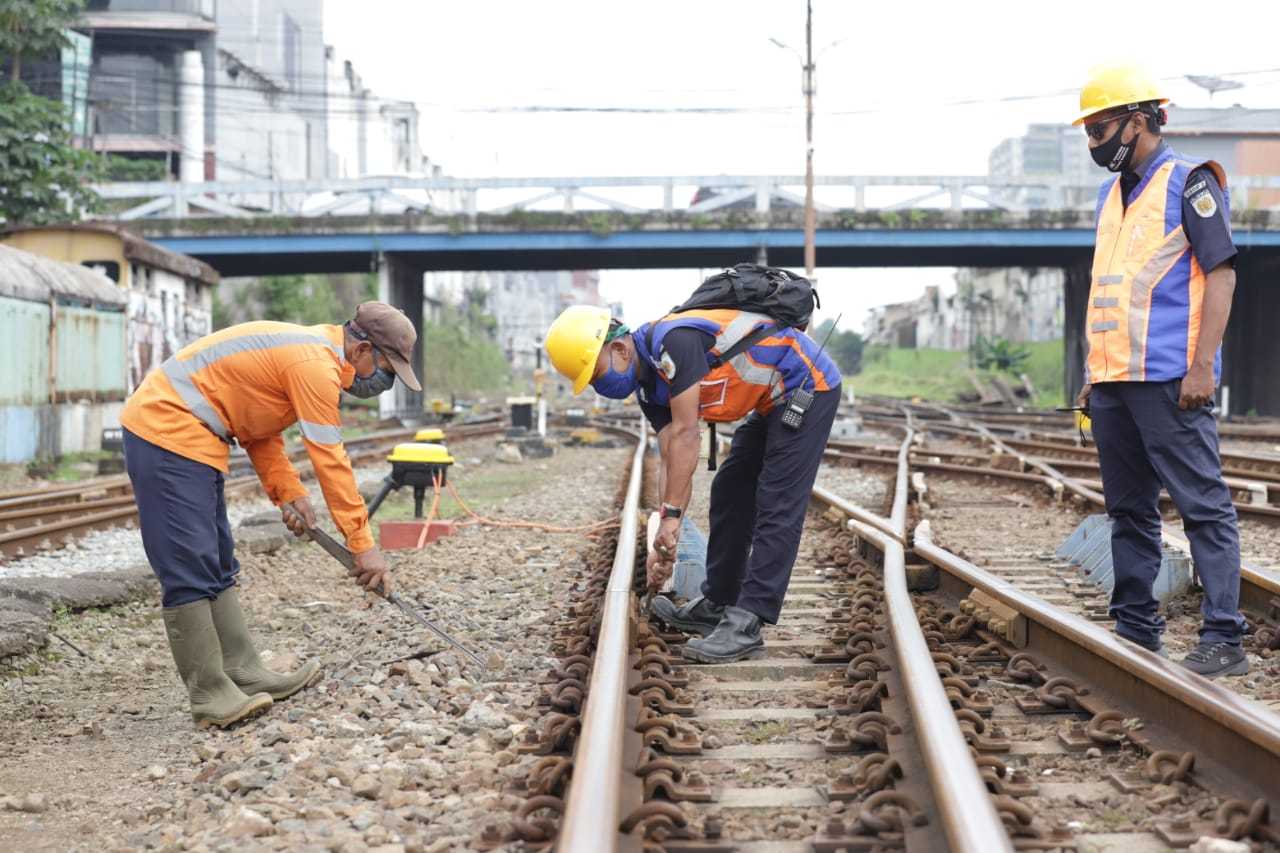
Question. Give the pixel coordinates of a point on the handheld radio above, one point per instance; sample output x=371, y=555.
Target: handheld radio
x=801, y=398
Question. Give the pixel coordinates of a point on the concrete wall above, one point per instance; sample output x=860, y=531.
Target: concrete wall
x=400, y=284
x=258, y=137
x=256, y=31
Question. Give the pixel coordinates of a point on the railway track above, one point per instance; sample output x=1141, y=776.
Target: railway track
x=938, y=705
x=35, y=520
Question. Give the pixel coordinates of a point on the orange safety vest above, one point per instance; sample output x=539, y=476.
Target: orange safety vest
x=249, y=383
x=753, y=380
x=1145, y=300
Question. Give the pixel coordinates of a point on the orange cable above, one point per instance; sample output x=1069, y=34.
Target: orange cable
x=431, y=513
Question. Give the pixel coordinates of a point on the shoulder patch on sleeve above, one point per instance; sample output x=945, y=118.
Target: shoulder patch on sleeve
x=1204, y=204
x=1194, y=188
x=667, y=366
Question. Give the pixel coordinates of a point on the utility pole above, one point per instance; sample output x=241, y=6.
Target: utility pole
x=810, y=217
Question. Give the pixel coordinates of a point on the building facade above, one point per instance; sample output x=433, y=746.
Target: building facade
x=1246, y=142
x=231, y=89
x=168, y=297
x=66, y=377
x=1019, y=304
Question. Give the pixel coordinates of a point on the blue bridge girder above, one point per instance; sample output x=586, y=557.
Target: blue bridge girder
x=276, y=253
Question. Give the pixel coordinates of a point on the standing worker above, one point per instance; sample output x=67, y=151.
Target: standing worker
x=246, y=384
x=1163, y=278
x=759, y=495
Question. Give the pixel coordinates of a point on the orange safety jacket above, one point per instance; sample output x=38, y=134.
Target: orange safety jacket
x=752, y=380
x=1145, y=300
x=248, y=383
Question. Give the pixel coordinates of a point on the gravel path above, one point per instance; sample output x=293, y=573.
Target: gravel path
x=393, y=750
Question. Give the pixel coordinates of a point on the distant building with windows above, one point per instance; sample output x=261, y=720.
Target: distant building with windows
x=1054, y=151
x=233, y=90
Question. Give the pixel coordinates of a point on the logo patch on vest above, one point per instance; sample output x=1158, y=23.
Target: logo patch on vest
x=1204, y=204
x=1194, y=188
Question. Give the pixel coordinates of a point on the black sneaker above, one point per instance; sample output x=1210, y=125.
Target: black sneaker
x=700, y=616
x=1214, y=659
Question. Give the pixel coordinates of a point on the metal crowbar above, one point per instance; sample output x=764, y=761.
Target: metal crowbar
x=344, y=556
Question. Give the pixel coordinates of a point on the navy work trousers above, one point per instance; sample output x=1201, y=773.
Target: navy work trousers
x=182, y=512
x=758, y=501
x=1144, y=440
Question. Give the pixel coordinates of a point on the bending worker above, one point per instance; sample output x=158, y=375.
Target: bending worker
x=246, y=384
x=1163, y=278
x=761, y=492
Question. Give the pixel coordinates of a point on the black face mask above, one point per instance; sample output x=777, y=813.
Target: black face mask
x=1114, y=155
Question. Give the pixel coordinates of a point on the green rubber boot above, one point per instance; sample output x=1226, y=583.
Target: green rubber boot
x=215, y=699
x=240, y=659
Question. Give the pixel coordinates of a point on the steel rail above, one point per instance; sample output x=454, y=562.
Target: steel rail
x=593, y=809
x=1256, y=588
x=1219, y=722
x=12, y=541
x=42, y=514
x=969, y=818
x=66, y=494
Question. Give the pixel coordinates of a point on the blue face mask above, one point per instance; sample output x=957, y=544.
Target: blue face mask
x=616, y=385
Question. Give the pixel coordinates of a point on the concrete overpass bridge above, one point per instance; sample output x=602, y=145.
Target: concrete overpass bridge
x=405, y=226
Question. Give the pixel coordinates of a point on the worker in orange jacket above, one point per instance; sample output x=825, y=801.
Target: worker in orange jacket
x=245, y=385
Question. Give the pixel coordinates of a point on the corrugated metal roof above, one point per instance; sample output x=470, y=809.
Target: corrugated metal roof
x=137, y=249
x=31, y=277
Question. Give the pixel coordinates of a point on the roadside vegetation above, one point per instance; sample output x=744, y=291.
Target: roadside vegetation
x=943, y=375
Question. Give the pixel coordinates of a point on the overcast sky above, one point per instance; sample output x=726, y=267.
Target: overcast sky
x=909, y=88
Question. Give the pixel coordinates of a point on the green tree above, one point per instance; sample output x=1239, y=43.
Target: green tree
x=34, y=28
x=844, y=347
x=308, y=300
x=43, y=178
x=461, y=360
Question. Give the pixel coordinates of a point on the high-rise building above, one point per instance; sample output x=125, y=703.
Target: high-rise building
x=1057, y=152
x=227, y=90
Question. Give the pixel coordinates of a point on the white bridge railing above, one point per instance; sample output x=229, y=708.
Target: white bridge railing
x=691, y=194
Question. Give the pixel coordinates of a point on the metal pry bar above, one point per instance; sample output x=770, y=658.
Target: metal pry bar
x=345, y=557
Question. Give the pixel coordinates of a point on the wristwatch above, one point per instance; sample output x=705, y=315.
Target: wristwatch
x=670, y=511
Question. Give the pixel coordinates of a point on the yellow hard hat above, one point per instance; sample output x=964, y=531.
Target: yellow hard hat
x=1111, y=86
x=1084, y=423
x=574, y=342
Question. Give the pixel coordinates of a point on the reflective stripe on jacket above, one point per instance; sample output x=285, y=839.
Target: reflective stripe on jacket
x=250, y=382
x=754, y=379
x=1145, y=299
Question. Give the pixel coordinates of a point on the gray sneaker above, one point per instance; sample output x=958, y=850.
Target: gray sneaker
x=1214, y=659
x=700, y=616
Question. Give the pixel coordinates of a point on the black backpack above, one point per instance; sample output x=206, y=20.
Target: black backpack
x=772, y=291
x=775, y=292
x=781, y=294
